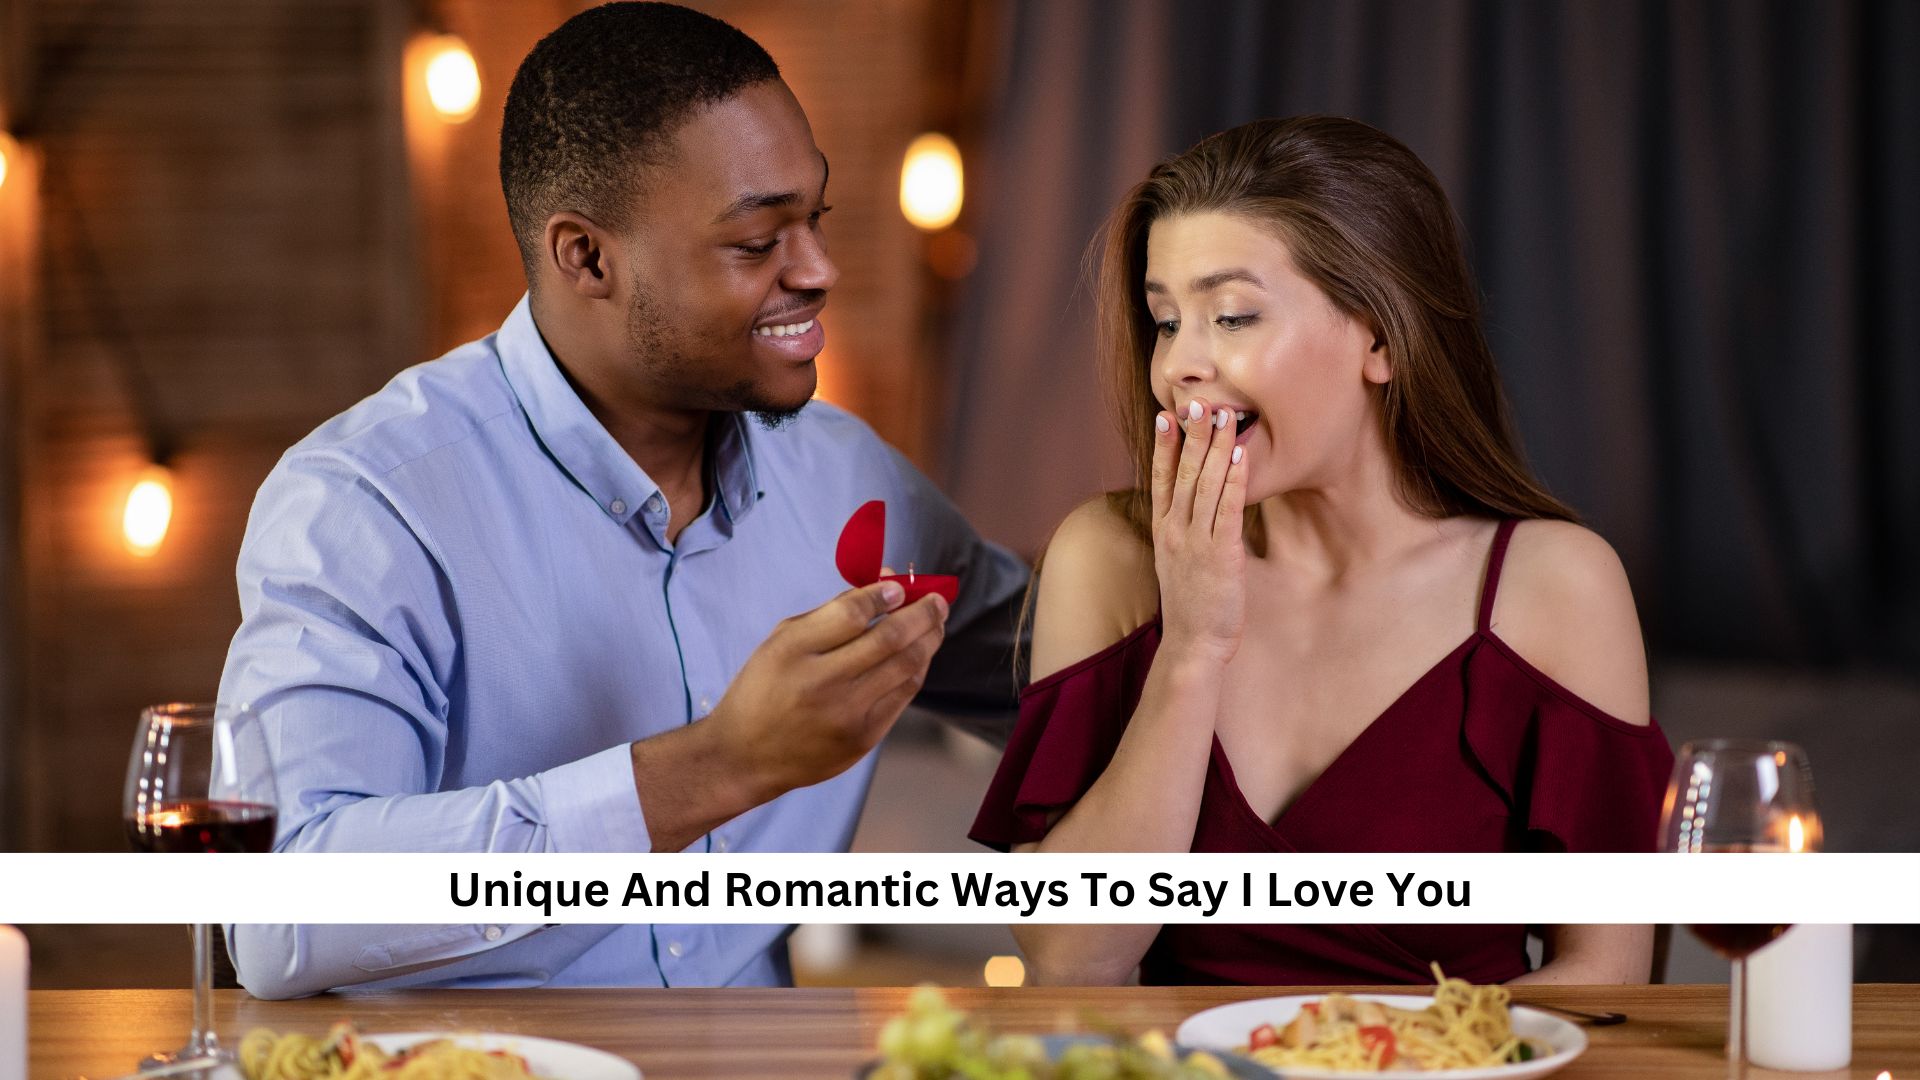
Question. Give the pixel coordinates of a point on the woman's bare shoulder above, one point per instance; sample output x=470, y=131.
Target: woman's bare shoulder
x=1564, y=604
x=1096, y=585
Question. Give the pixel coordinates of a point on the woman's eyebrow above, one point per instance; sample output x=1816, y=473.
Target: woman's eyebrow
x=1210, y=282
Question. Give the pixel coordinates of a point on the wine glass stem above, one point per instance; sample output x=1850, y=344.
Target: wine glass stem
x=203, y=1042
x=1737, y=1021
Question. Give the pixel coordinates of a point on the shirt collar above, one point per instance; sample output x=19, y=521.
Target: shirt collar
x=734, y=479
x=587, y=453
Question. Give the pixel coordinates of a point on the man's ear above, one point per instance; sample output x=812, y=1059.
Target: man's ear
x=1377, y=368
x=576, y=252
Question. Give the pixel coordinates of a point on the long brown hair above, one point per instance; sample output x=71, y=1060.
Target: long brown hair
x=1367, y=222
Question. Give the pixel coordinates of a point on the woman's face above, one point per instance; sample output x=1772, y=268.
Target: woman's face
x=1237, y=326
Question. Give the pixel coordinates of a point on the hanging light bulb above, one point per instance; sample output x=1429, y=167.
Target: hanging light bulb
x=453, y=79
x=8, y=148
x=148, y=512
x=931, y=183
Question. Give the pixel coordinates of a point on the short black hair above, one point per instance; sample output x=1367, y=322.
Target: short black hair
x=596, y=100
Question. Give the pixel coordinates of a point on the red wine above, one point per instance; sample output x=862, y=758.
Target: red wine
x=1737, y=940
x=201, y=825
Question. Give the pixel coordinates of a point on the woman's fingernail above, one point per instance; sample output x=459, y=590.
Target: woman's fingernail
x=1236, y=454
x=1162, y=424
x=1220, y=418
x=1194, y=410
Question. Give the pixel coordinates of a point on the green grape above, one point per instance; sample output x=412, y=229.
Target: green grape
x=934, y=1041
x=927, y=999
x=1017, y=1051
x=933, y=1037
x=892, y=1043
x=977, y=1069
x=1087, y=1062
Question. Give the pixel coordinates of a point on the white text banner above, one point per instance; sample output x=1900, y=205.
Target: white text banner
x=958, y=888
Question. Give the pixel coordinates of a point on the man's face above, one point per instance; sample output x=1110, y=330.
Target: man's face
x=727, y=263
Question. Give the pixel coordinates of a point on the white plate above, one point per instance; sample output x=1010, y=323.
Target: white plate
x=546, y=1057
x=1226, y=1027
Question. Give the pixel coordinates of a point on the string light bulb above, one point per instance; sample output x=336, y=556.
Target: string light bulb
x=932, y=183
x=149, y=510
x=8, y=149
x=453, y=79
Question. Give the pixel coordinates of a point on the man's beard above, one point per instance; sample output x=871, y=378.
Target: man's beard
x=775, y=419
x=665, y=352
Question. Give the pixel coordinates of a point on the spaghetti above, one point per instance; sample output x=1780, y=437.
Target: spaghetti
x=344, y=1055
x=1466, y=1027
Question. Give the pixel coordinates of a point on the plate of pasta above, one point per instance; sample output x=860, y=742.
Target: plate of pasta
x=1467, y=1032
x=345, y=1054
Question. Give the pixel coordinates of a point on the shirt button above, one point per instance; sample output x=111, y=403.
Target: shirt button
x=653, y=505
x=491, y=933
x=706, y=705
x=676, y=950
x=618, y=506
x=723, y=843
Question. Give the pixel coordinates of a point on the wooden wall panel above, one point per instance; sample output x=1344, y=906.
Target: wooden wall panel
x=19, y=323
x=470, y=262
x=228, y=250
x=214, y=203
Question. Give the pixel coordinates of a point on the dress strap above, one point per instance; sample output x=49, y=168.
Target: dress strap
x=1491, y=585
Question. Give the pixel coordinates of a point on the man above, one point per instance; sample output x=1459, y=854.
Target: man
x=557, y=591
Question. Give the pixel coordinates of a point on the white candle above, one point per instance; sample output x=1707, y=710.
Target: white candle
x=13, y=1004
x=1800, y=1000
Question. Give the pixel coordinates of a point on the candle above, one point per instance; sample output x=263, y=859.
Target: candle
x=13, y=1004
x=1800, y=1000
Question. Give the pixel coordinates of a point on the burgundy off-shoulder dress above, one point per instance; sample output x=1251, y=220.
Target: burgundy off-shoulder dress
x=1483, y=753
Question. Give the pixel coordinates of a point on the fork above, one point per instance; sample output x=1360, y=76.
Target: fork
x=1605, y=1019
x=213, y=1067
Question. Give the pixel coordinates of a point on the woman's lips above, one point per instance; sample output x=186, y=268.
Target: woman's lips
x=1244, y=419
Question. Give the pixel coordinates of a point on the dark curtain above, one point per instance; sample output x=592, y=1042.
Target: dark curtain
x=1696, y=224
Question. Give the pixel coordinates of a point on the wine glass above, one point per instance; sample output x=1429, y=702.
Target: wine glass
x=200, y=780
x=1739, y=795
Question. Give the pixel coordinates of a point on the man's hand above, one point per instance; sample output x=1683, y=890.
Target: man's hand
x=825, y=686
x=818, y=693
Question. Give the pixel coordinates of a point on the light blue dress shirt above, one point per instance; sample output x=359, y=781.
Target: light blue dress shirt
x=459, y=606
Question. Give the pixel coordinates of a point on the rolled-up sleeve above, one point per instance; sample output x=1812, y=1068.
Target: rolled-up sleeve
x=349, y=651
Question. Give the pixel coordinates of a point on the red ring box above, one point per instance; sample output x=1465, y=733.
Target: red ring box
x=861, y=547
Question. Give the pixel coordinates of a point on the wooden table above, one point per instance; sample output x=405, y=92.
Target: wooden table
x=1673, y=1031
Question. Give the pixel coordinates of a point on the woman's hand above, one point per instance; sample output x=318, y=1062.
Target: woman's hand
x=1147, y=798
x=1199, y=493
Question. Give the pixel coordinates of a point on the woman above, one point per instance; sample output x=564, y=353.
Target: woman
x=1339, y=614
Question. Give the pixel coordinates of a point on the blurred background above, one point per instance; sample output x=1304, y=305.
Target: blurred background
x=1695, y=224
